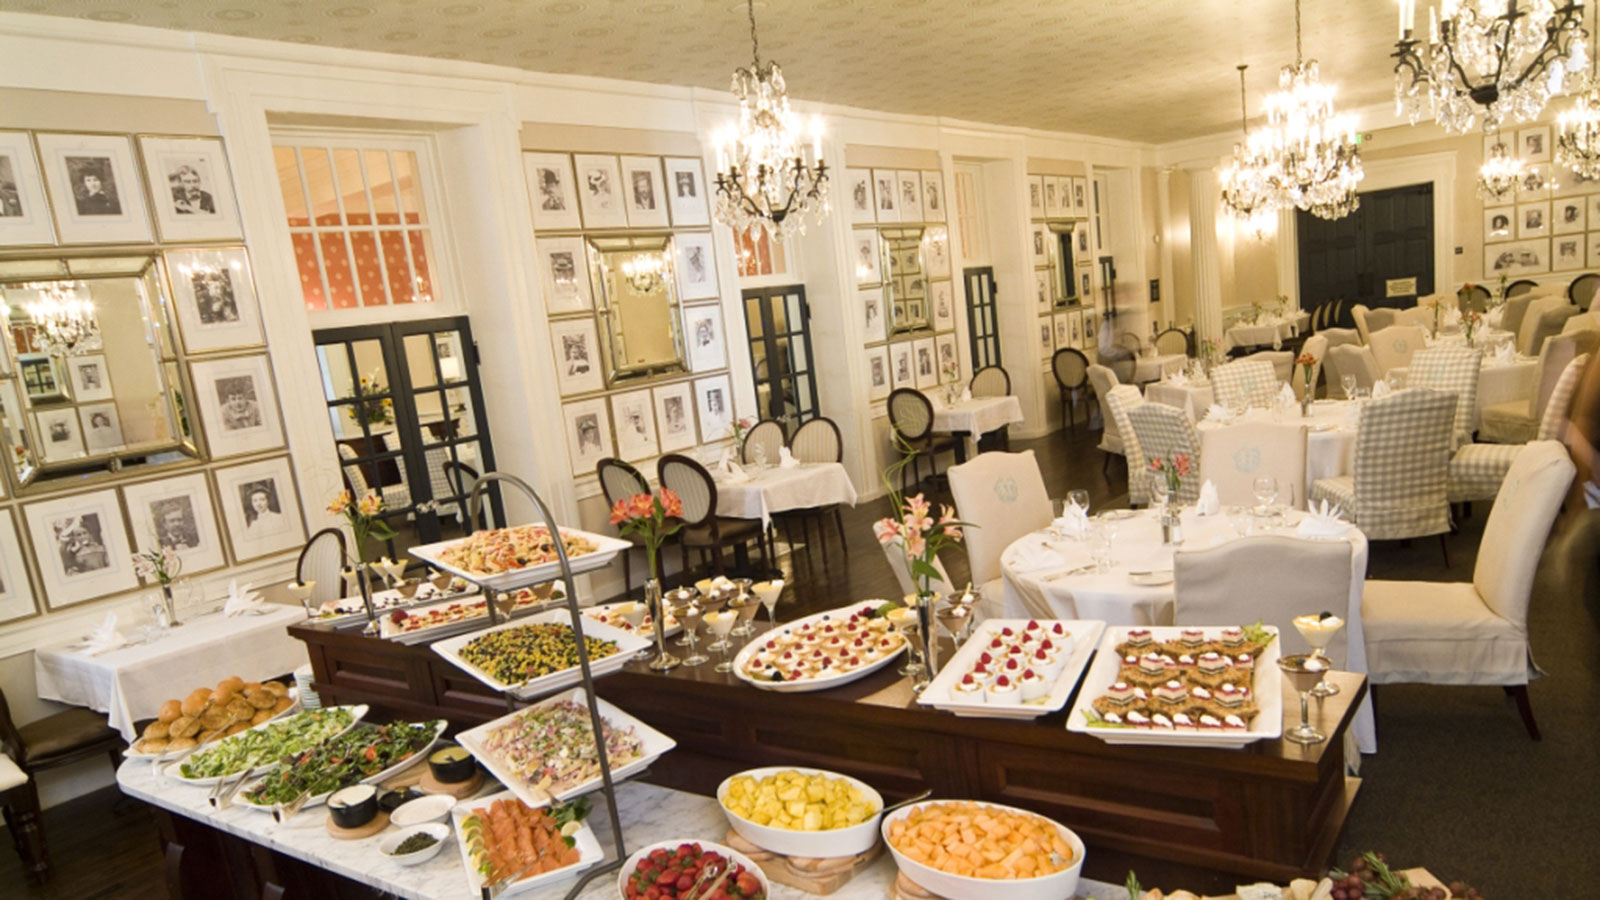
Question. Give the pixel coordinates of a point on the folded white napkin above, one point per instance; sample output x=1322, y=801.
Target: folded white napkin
x=1286, y=398
x=1216, y=412
x=1072, y=523
x=732, y=471
x=1031, y=557
x=1323, y=522
x=105, y=636
x=1209, y=503
x=1380, y=389
x=241, y=600
x=966, y=394
x=1277, y=338
x=1505, y=353
x=1178, y=379
x=786, y=459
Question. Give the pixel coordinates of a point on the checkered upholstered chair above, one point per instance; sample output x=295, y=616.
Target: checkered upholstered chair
x=1347, y=359
x=1232, y=458
x=1282, y=362
x=1517, y=421
x=1453, y=370
x=395, y=496
x=1003, y=494
x=1164, y=432
x=1475, y=632
x=1122, y=398
x=1477, y=470
x=766, y=434
x=1250, y=382
x=1393, y=347
x=1402, y=449
x=1317, y=346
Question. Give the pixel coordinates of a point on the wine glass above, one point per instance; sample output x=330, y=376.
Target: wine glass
x=1303, y=672
x=1348, y=382
x=904, y=620
x=1079, y=499
x=689, y=614
x=1158, y=488
x=1099, y=540
x=720, y=623
x=301, y=591
x=633, y=613
x=1265, y=488
x=1319, y=631
x=954, y=616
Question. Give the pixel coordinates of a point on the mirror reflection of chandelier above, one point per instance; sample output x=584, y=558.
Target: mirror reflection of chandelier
x=1500, y=175
x=65, y=321
x=646, y=272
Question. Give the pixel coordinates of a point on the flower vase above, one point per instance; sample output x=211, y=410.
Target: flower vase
x=926, y=602
x=170, y=605
x=658, y=618
x=364, y=583
x=1305, y=403
x=1171, y=520
x=950, y=395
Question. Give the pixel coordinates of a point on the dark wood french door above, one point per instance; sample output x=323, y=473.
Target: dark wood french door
x=1371, y=255
x=983, y=330
x=778, y=321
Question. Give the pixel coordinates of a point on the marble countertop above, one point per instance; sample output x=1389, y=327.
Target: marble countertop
x=649, y=814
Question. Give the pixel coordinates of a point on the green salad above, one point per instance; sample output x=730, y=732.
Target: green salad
x=258, y=746
x=359, y=753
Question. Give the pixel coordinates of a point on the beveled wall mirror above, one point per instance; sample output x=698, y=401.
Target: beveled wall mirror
x=637, y=305
x=905, y=279
x=94, y=384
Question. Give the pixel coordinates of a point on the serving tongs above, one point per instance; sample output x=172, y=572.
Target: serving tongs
x=283, y=811
x=222, y=792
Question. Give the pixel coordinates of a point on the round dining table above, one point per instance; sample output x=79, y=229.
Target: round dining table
x=1330, y=438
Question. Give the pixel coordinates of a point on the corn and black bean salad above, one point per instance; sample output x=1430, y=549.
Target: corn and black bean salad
x=516, y=655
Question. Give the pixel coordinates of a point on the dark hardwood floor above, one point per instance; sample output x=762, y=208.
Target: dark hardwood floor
x=1457, y=786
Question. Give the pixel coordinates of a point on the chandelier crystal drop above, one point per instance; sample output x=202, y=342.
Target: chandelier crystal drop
x=1500, y=175
x=1578, y=140
x=1504, y=59
x=1246, y=189
x=66, y=322
x=767, y=175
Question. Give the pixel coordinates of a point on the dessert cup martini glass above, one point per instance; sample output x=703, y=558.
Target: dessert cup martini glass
x=1303, y=671
x=1319, y=631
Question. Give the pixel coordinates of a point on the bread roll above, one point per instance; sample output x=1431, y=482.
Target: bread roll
x=151, y=745
x=276, y=688
x=170, y=710
x=210, y=735
x=250, y=686
x=214, y=718
x=183, y=743
x=240, y=708
x=156, y=729
x=184, y=727
x=236, y=727
x=262, y=715
x=259, y=699
x=281, y=705
x=233, y=682
x=195, y=703
x=223, y=694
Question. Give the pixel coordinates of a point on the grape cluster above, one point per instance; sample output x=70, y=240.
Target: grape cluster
x=1369, y=876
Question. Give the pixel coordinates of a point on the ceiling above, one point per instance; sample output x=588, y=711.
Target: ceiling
x=1142, y=70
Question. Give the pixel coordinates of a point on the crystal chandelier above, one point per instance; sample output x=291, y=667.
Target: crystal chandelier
x=1246, y=190
x=1311, y=153
x=1501, y=173
x=66, y=322
x=1578, y=143
x=765, y=175
x=1507, y=57
x=646, y=271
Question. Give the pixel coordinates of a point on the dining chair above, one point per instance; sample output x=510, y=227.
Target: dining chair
x=1397, y=487
x=1514, y=310
x=817, y=441
x=19, y=806
x=1340, y=337
x=1420, y=316
x=1164, y=432
x=1348, y=359
x=1519, y=287
x=439, y=486
x=1528, y=327
x=911, y=420
x=1359, y=314
x=53, y=741
x=990, y=381
x=1393, y=347
x=1475, y=632
x=395, y=496
x=619, y=481
x=1118, y=401
x=1242, y=580
x=1477, y=299
x=1379, y=319
x=1317, y=346
x=1232, y=458
x=704, y=530
x=1071, y=370
x=1453, y=370
x=460, y=478
x=1581, y=290
x=322, y=560
x=1517, y=421
x=1282, y=362
x=1477, y=470
x=765, y=437
x=1002, y=495
x=1246, y=382
x=1551, y=321
x=1174, y=341
x=1103, y=378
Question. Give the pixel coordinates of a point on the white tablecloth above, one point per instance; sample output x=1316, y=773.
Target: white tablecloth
x=1498, y=382
x=776, y=489
x=977, y=416
x=1265, y=332
x=1194, y=398
x=131, y=683
x=1137, y=547
x=1155, y=368
x=1330, y=444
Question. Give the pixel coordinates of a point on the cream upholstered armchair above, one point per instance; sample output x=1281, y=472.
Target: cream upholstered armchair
x=1282, y=362
x=1243, y=581
x=1164, y=432
x=1122, y=398
x=1544, y=317
x=1102, y=379
x=1339, y=337
x=1475, y=632
x=1247, y=382
x=1003, y=496
x=1359, y=314
x=1477, y=470
x=1393, y=347
x=1348, y=359
x=1517, y=421
x=1233, y=458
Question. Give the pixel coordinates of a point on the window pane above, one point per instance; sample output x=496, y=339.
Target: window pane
x=367, y=267
x=294, y=198
x=752, y=316
x=384, y=202
x=447, y=344
x=459, y=402
x=405, y=164
x=336, y=379
x=336, y=260
x=430, y=413
x=394, y=259
x=419, y=361
x=419, y=264
x=305, y=257
x=352, y=186
x=319, y=178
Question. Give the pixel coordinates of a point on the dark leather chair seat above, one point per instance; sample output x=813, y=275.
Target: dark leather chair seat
x=63, y=734
x=731, y=531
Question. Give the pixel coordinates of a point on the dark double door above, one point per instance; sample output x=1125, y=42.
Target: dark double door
x=1389, y=238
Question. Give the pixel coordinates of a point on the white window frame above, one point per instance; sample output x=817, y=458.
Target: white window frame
x=973, y=213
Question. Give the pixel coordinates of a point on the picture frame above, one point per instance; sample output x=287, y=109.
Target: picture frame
x=868, y=258
x=1041, y=289
x=588, y=427
x=714, y=402
x=1499, y=224
x=60, y=434
x=901, y=372
x=643, y=196
x=1594, y=209
x=94, y=188
x=1080, y=198
x=941, y=299
x=24, y=213
x=947, y=351
x=687, y=191
x=1594, y=249
x=176, y=513
x=600, y=191
x=1082, y=249
x=1047, y=341
x=1569, y=216
x=1533, y=219
x=575, y=352
x=875, y=325
x=858, y=196
x=1567, y=252
x=936, y=251
x=909, y=184
x=191, y=189
x=1534, y=185
x=260, y=508
x=1036, y=196
x=925, y=358
x=564, y=272
x=1074, y=328
x=878, y=382
x=634, y=420
x=17, y=598
x=933, y=196
x=1513, y=258
x=1534, y=143
x=552, y=191
x=214, y=296
x=675, y=423
x=695, y=265
x=885, y=195
x=1063, y=332
x=238, y=404
x=81, y=547
x=1054, y=207
x=1041, y=244
x=702, y=334
x=1091, y=327
x=1084, y=286
x=102, y=428
x=89, y=377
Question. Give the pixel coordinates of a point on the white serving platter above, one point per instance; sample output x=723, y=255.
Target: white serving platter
x=589, y=851
x=1267, y=689
x=652, y=745
x=811, y=684
x=606, y=549
x=175, y=770
x=294, y=707
x=627, y=646
x=439, y=726
x=940, y=693
x=388, y=630
x=671, y=627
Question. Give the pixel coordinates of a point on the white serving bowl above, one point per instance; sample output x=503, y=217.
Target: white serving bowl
x=421, y=811
x=727, y=852
x=441, y=834
x=961, y=887
x=820, y=844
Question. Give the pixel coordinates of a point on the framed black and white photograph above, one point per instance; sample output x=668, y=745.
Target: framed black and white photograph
x=24, y=214
x=81, y=547
x=1091, y=328
x=551, y=191
x=16, y=590
x=702, y=332
x=1057, y=203
x=238, y=405
x=858, y=196
x=1083, y=286
x=1569, y=216
x=878, y=373
x=90, y=378
x=945, y=344
x=1063, y=332
x=633, y=416
x=1035, y=196
x=1080, y=197
x=60, y=438
x=1041, y=244
x=909, y=185
x=191, y=188
x=94, y=188
x=215, y=299
x=674, y=416
x=686, y=192
x=1047, y=343
x=564, y=269
x=933, y=199
x=1534, y=143
x=1074, y=328
x=175, y=513
x=927, y=363
x=1516, y=258
x=886, y=195
x=696, y=265
x=1041, y=289
x=875, y=326
x=1594, y=249
x=936, y=251
x=1535, y=185
x=941, y=299
x=102, y=428
x=600, y=190
x=261, y=508
x=867, y=259
x=588, y=427
x=1499, y=223
x=1081, y=250
x=576, y=349
x=643, y=197
x=1533, y=219
x=713, y=398
x=1567, y=252
x=902, y=372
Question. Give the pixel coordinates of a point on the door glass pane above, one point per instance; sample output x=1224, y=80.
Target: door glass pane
x=336, y=380
x=419, y=361
x=802, y=394
x=352, y=186
x=796, y=312
x=431, y=415
x=780, y=318
x=458, y=405
x=447, y=345
x=294, y=198
x=319, y=183
x=752, y=315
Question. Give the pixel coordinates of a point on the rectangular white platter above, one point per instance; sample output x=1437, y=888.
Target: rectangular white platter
x=391, y=632
x=940, y=694
x=606, y=549
x=627, y=646
x=1268, y=691
x=589, y=851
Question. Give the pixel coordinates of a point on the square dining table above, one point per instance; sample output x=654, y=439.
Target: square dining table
x=972, y=418
x=775, y=489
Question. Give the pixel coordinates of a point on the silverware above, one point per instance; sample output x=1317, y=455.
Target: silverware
x=1080, y=570
x=696, y=894
x=914, y=798
x=283, y=811
x=222, y=793
x=1151, y=572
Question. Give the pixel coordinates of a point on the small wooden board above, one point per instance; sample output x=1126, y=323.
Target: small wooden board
x=379, y=823
x=812, y=875
x=904, y=888
x=459, y=790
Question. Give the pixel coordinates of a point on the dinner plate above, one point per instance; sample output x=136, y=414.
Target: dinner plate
x=589, y=851
x=810, y=684
x=627, y=646
x=439, y=726
x=294, y=707
x=1153, y=578
x=605, y=549
x=1320, y=427
x=940, y=694
x=1118, y=515
x=175, y=770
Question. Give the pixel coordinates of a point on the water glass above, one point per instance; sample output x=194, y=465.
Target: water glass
x=1158, y=488
x=1099, y=540
x=1348, y=382
x=758, y=456
x=1363, y=394
x=1080, y=499
x=1265, y=488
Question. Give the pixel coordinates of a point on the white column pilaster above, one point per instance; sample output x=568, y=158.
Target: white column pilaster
x=1203, y=194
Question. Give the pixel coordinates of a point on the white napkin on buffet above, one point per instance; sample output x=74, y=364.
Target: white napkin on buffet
x=1209, y=503
x=732, y=472
x=786, y=459
x=241, y=600
x=105, y=636
x=1031, y=557
x=1323, y=522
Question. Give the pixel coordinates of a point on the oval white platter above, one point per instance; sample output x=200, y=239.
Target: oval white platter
x=175, y=770
x=811, y=684
x=243, y=797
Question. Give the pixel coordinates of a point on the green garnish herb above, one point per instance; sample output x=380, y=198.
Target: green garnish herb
x=1132, y=886
x=1257, y=633
x=1094, y=721
x=419, y=841
x=566, y=813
